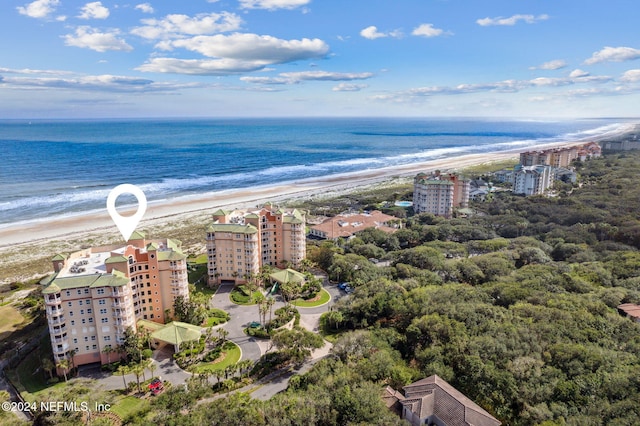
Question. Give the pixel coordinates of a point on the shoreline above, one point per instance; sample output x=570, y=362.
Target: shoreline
x=163, y=213
x=159, y=213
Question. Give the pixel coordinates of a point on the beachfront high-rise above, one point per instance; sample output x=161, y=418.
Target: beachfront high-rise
x=97, y=293
x=439, y=193
x=239, y=243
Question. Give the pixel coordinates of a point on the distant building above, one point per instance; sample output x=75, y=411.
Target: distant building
x=504, y=175
x=345, y=225
x=439, y=193
x=433, y=401
x=631, y=310
x=531, y=180
x=239, y=243
x=560, y=157
x=565, y=175
x=479, y=190
x=97, y=293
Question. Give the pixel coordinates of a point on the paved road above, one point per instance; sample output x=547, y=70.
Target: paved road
x=241, y=317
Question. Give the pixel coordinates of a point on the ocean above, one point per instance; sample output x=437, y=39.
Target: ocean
x=52, y=168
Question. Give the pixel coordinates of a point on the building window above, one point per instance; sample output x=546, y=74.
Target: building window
x=91, y=319
x=70, y=313
x=95, y=347
x=75, y=340
x=73, y=322
x=89, y=311
x=93, y=338
x=68, y=293
x=100, y=291
x=107, y=338
x=86, y=339
x=104, y=320
x=86, y=291
x=101, y=302
x=84, y=321
x=69, y=304
x=80, y=302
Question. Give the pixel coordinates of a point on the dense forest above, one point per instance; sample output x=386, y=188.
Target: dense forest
x=514, y=305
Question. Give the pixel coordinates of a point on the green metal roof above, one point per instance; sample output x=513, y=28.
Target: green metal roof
x=115, y=279
x=137, y=235
x=152, y=247
x=252, y=216
x=220, y=212
x=59, y=256
x=287, y=276
x=115, y=259
x=171, y=255
x=434, y=182
x=233, y=228
x=177, y=333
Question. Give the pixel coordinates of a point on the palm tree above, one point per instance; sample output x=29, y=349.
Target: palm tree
x=138, y=370
x=108, y=350
x=219, y=375
x=63, y=365
x=123, y=369
x=48, y=366
x=270, y=302
x=222, y=334
x=152, y=367
x=72, y=354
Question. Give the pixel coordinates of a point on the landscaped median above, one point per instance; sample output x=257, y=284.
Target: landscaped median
x=323, y=297
x=228, y=354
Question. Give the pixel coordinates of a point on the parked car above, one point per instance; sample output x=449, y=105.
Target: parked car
x=156, y=387
x=348, y=289
x=341, y=286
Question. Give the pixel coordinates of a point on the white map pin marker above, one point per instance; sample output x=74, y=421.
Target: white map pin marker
x=126, y=224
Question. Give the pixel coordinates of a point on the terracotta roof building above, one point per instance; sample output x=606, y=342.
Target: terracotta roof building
x=345, y=225
x=433, y=401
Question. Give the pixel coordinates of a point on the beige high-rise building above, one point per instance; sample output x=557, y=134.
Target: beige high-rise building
x=439, y=193
x=239, y=243
x=97, y=293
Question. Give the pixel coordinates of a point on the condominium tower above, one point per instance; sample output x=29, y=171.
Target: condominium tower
x=239, y=243
x=439, y=193
x=97, y=293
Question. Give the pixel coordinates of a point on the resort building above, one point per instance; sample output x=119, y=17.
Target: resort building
x=97, y=293
x=532, y=180
x=239, y=243
x=439, y=193
x=560, y=157
x=433, y=401
x=345, y=225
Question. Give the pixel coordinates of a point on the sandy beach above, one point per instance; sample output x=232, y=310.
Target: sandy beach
x=162, y=213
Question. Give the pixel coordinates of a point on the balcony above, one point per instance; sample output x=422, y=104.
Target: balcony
x=176, y=275
x=60, y=349
x=50, y=301
x=53, y=312
x=121, y=292
x=60, y=341
x=57, y=321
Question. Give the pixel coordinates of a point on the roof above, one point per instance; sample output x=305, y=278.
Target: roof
x=233, y=228
x=115, y=279
x=150, y=325
x=171, y=255
x=220, y=212
x=137, y=235
x=433, y=396
x=152, y=246
x=251, y=216
x=177, y=333
x=631, y=309
x=288, y=276
x=349, y=224
x=59, y=256
x=115, y=259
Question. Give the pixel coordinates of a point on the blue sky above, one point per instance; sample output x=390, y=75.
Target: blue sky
x=206, y=58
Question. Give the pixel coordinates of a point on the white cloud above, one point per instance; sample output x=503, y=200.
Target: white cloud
x=272, y=4
x=613, y=54
x=91, y=38
x=346, y=87
x=38, y=8
x=427, y=30
x=176, y=25
x=372, y=33
x=512, y=20
x=252, y=47
x=631, y=76
x=551, y=65
x=297, y=77
x=144, y=8
x=223, y=66
x=577, y=73
x=29, y=71
x=92, y=83
x=94, y=10
x=505, y=86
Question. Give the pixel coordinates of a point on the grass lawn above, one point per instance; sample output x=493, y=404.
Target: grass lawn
x=239, y=296
x=232, y=356
x=127, y=405
x=11, y=318
x=213, y=321
x=490, y=167
x=324, y=298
